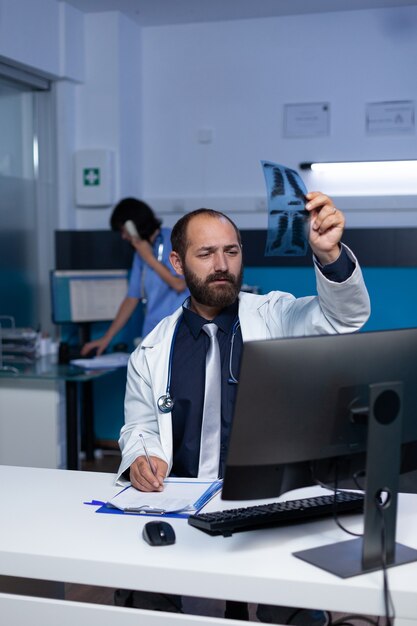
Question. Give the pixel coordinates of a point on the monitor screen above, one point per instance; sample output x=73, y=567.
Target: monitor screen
x=326, y=408
x=296, y=403
x=87, y=295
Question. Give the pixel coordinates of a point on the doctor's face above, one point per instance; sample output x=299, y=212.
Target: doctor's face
x=212, y=266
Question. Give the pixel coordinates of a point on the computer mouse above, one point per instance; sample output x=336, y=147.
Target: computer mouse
x=158, y=533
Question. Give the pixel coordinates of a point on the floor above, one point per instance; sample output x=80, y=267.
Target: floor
x=108, y=461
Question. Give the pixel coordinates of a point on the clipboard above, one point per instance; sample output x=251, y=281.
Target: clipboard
x=180, y=498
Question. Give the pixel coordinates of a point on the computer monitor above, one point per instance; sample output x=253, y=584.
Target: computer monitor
x=86, y=295
x=309, y=407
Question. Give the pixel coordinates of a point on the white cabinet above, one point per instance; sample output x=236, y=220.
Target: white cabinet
x=32, y=423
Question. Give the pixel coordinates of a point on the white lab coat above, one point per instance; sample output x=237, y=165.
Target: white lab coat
x=338, y=308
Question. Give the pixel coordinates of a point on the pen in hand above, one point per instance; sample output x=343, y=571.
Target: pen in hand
x=146, y=454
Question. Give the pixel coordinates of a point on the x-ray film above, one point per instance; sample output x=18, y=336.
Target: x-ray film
x=287, y=218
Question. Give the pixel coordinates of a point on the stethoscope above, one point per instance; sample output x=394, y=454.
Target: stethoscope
x=160, y=251
x=159, y=256
x=166, y=402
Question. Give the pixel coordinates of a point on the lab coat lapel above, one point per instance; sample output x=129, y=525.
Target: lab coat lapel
x=157, y=352
x=252, y=324
x=157, y=358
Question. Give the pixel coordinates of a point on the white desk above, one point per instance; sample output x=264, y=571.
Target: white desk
x=46, y=532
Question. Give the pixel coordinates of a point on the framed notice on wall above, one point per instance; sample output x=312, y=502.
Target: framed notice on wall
x=390, y=117
x=307, y=120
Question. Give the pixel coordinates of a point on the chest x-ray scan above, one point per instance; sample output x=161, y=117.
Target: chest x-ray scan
x=287, y=218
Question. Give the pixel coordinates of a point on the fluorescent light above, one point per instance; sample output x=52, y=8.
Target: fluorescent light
x=397, y=177
x=360, y=166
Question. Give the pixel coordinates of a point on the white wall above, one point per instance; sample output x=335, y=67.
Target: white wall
x=235, y=77
x=109, y=104
x=44, y=35
x=146, y=94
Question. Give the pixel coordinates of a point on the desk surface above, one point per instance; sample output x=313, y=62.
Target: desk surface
x=47, y=368
x=46, y=532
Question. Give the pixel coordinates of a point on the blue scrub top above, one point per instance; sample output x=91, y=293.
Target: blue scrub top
x=144, y=283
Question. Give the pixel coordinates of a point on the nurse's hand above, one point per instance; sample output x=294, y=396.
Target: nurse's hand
x=144, y=249
x=143, y=478
x=99, y=345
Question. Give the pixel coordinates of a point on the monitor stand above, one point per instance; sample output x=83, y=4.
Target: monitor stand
x=377, y=548
x=345, y=559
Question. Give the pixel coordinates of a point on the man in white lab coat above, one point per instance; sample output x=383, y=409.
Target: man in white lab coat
x=166, y=374
x=207, y=251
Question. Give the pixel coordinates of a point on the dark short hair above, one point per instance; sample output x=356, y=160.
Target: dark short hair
x=139, y=212
x=179, y=232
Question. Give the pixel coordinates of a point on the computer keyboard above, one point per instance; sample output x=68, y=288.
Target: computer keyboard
x=231, y=521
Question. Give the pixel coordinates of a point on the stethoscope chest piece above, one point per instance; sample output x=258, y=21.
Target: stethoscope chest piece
x=165, y=403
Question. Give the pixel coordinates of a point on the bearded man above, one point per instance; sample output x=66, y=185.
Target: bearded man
x=166, y=374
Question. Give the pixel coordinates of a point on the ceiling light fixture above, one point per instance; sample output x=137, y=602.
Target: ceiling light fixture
x=364, y=178
x=375, y=167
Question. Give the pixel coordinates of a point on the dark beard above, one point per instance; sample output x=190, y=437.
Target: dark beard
x=220, y=296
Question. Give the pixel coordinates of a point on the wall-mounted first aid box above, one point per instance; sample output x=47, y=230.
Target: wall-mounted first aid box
x=94, y=178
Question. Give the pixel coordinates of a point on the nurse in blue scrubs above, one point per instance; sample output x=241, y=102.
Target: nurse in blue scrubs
x=153, y=281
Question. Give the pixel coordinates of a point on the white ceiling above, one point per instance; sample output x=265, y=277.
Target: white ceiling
x=163, y=12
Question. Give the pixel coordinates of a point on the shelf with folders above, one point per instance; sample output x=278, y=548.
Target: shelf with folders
x=17, y=345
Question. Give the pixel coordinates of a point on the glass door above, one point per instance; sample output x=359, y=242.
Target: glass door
x=24, y=225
